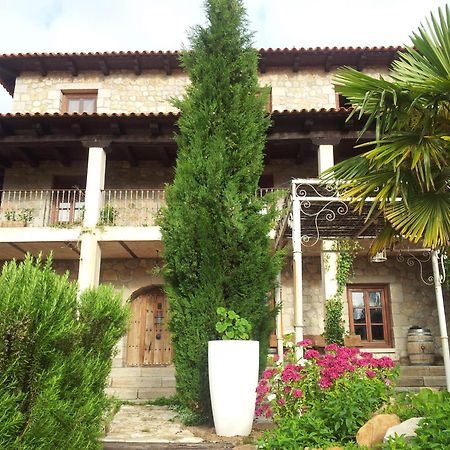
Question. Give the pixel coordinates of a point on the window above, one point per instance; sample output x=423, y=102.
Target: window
x=67, y=199
x=369, y=315
x=79, y=102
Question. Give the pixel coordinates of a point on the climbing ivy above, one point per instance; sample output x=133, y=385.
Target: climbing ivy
x=334, y=324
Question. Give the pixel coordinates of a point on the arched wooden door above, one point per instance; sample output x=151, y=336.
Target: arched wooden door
x=148, y=337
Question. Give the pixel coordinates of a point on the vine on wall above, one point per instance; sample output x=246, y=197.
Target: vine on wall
x=334, y=323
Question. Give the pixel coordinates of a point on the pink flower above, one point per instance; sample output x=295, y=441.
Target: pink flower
x=297, y=393
x=371, y=373
x=387, y=382
x=331, y=347
x=324, y=383
x=290, y=373
x=281, y=401
x=276, y=358
x=267, y=373
x=305, y=343
x=287, y=389
x=312, y=354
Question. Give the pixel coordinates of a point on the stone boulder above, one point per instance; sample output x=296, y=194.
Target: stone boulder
x=372, y=432
x=406, y=428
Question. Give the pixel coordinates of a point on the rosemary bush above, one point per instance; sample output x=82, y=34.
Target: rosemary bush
x=55, y=357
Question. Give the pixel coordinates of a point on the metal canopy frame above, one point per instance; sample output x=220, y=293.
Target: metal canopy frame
x=314, y=212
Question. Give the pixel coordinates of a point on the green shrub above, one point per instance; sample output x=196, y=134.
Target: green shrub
x=215, y=229
x=307, y=430
x=433, y=431
x=55, y=357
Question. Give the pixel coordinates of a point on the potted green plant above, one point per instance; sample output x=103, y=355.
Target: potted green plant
x=108, y=215
x=233, y=364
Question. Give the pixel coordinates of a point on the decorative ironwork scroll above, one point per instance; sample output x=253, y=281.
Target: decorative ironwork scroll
x=421, y=259
x=318, y=201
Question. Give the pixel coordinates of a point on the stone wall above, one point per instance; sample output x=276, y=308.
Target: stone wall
x=125, y=92
x=119, y=175
x=119, y=92
x=148, y=175
x=412, y=302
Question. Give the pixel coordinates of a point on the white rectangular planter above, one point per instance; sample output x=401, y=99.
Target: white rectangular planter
x=233, y=378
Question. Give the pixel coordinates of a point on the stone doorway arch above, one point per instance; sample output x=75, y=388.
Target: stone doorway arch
x=148, y=340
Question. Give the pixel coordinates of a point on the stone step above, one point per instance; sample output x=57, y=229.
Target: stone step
x=422, y=371
x=150, y=371
x=140, y=394
x=140, y=382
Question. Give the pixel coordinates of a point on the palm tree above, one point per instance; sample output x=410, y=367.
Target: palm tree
x=406, y=170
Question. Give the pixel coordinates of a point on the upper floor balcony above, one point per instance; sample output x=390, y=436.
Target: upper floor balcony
x=65, y=208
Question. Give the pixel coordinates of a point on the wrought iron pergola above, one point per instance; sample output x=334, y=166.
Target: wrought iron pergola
x=314, y=212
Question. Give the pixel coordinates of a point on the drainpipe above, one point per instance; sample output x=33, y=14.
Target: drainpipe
x=441, y=315
x=297, y=263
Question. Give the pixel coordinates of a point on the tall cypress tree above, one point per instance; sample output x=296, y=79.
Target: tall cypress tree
x=216, y=240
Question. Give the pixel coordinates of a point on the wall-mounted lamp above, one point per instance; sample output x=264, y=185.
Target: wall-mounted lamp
x=379, y=257
x=159, y=315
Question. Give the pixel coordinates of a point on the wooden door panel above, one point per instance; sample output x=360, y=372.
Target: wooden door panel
x=134, y=334
x=149, y=342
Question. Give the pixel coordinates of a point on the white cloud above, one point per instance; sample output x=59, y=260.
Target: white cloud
x=105, y=25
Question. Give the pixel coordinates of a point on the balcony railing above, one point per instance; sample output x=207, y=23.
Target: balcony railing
x=131, y=207
x=65, y=207
x=41, y=207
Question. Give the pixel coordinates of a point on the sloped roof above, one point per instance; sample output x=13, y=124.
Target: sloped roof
x=12, y=65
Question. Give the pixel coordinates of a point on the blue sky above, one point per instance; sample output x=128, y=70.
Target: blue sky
x=106, y=25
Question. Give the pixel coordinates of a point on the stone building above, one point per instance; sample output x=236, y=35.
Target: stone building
x=86, y=153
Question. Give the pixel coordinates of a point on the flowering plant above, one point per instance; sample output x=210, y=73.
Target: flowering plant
x=344, y=386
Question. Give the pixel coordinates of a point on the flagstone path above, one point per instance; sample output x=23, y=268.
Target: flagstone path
x=142, y=427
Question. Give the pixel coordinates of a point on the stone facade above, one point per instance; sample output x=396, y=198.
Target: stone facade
x=409, y=298
x=150, y=92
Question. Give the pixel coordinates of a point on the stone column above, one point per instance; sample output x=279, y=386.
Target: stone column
x=90, y=252
x=328, y=258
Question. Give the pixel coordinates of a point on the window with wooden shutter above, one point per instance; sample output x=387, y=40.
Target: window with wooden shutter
x=79, y=102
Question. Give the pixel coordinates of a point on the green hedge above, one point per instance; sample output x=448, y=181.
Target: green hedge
x=55, y=357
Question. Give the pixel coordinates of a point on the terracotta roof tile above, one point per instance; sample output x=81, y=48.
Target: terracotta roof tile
x=12, y=65
x=170, y=115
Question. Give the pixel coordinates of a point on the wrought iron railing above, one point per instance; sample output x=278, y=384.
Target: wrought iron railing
x=131, y=207
x=41, y=207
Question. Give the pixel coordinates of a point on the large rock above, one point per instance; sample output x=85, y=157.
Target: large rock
x=372, y=432
x=406, y=428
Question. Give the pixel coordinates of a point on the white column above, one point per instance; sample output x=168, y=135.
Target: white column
x=328, y=260
x=441, y=315
x=279, y=322
x=90, y=253
x=89, y=266
x=95, y=183
x=325, y=157
x=325, y=160
x=297, y=270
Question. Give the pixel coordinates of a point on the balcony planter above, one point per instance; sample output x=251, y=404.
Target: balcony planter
x=352, y=340
x=12, y=224
x=233, y=378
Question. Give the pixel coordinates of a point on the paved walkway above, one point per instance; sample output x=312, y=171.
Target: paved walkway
x=142, y=427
